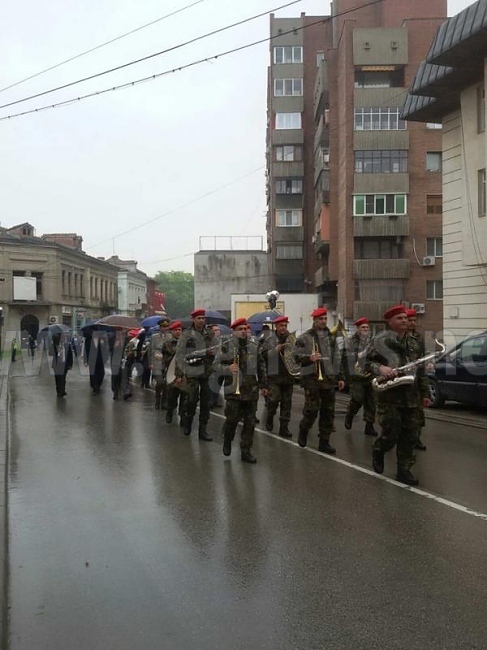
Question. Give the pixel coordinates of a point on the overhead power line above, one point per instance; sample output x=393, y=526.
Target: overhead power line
x=149, y=56
x=98, y=47
x=208, y=59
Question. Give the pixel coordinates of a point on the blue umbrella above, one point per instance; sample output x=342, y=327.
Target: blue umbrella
x=261, y=318
x=215, y=317
x=151, y=321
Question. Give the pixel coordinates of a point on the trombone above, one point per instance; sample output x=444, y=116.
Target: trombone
x=316, y=350
x=237, y=379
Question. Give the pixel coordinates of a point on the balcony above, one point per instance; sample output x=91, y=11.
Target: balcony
x=320, y=245
x=381, y=226
x=321, y=276
x=381, y=269
x=374, y=311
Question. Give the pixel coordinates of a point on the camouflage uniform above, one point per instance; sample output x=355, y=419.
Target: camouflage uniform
x=361, y=391
x=319, y=395
x=156, y=356
x=252, y=377
x=398, y=408
x=195, y=376
x=422, y=421
x=280, y=382
x=119, y=348
x=174, y=392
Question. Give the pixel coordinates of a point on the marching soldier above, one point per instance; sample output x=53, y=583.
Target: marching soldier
x=280, y=381
x=240, y=362
x=398, y=407
x=195, y=342
x=412, y=324
x=361, y=391
x=321, y=363
x=174, y=390
x=156, y=357
x=62, y=360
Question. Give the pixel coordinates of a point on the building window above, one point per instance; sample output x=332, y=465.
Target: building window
x=320, y=56
x=75, y=284
x=386, y=161
x=289, y=153
x=374, y=204
x=434, y=290
x=63, y=282
x=377, y=249
x=379, y=119
x=69, y=283
x=434, y=246
x=289, y=186
x=482, y=192
x=38, y=276
x=433, y=161
x=379, y=78
x=481, y=109
x=290, y=252
x=288, y=87
x=434, y=204
x=434, y=125
x=288, y=54
x=91, y=288
x=288, y=120
x=96, y=287
x=81, y=285
x=289, y=218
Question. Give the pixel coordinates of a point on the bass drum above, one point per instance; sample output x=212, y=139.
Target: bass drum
x=171, y=372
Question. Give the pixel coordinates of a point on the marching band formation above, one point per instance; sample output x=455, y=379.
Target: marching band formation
x=192, y=367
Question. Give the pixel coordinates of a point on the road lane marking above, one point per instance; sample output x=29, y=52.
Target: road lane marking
x=370, y=472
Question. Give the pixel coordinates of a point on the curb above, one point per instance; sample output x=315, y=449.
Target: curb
x=3, y=511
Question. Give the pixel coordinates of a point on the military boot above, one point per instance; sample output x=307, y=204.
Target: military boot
x=325, y=447
x=303, y=437
x=203, y=434
x=169, y=417
x=247, y=457
x=269, y=422
x=404, y=476
x=369, y=429
x=227, y=443
x=187, y=425
x=420, y=445
x=378, y=461
x=348, y=421
x=284, y=431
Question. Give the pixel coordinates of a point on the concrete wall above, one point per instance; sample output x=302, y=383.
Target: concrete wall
x=218, y=274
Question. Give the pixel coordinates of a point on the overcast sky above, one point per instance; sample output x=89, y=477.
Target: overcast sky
x=106, y=164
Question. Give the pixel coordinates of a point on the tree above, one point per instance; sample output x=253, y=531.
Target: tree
x=178, y=286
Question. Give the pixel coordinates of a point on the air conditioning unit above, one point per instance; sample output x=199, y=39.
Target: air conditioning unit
x=53, y=320
x=429, y=260
x=314, y=239
x=326, y=158
x=419, y=307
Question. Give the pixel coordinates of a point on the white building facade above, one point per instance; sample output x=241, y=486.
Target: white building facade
x=450, y=88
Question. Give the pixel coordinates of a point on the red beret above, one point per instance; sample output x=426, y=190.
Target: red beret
x=320, y=311
x=411, y=312
x=281, y=319
x=198, y=312
x=176, y=325
x=239, y=321
x=361, y=321
x=394, y=311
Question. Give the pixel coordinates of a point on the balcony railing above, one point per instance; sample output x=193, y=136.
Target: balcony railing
x=381, y=269
x=381, y=226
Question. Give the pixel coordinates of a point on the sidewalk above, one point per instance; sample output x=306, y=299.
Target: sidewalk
x=3, y=508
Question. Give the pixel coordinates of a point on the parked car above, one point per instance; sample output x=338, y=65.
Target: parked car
x=460, y=374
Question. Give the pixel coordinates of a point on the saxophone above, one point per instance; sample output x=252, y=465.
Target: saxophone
x=405, y=373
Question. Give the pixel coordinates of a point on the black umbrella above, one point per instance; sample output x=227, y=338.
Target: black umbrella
x=215, y=318
x=111, y=323
x=55, y=328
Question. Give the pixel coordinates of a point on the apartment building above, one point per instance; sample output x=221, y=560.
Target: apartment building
x=354, y=192
x=449, y=87
x=295, y=46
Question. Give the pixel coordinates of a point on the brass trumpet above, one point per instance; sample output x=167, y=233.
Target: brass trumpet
x=316, y=350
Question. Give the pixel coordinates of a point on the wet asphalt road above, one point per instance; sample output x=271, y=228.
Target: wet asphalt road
x=125, y=534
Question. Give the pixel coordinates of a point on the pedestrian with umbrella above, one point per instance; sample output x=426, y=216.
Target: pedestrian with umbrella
x=62, y=357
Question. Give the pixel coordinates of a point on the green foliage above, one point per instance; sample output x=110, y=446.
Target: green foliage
x=179, y=289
